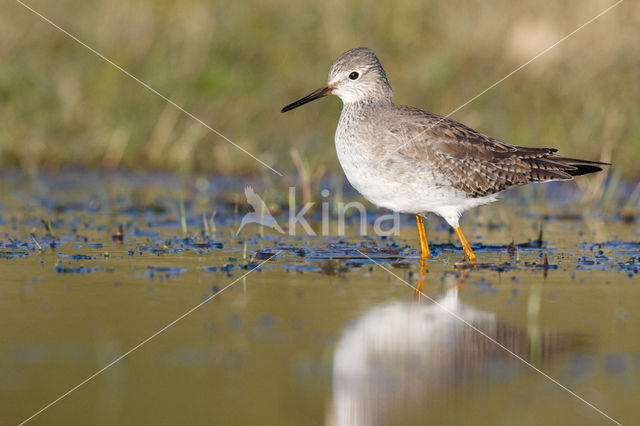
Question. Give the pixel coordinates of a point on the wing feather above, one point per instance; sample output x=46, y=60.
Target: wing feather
x=475, y=163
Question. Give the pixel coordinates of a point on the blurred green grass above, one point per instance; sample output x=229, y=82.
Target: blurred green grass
x=235, y=64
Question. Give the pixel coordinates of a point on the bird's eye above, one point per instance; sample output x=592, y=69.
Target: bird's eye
x=354, y=75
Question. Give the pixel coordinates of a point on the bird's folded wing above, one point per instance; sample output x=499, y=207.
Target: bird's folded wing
x=475, y=163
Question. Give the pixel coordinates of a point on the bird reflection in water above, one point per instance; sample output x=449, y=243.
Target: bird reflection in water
x=402, y=352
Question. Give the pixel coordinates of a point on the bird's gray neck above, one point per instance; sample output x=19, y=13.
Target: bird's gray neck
x=364, y=108
x=358, y=118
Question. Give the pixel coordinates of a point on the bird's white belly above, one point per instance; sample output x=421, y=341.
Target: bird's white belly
x=400, y=188
x=380, y=186
x=382, y=191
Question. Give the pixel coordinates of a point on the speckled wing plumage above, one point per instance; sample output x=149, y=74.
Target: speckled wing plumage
x=475, y=163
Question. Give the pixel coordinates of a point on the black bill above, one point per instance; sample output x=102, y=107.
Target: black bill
x=321, y=92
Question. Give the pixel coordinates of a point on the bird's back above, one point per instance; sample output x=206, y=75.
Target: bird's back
x=461, y=157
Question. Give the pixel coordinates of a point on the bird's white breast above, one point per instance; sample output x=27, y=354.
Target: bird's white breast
x=392, y=181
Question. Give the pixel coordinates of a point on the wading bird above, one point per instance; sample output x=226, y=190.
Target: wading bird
x=412, y=161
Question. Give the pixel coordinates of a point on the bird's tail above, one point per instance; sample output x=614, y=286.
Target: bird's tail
x=580, y=167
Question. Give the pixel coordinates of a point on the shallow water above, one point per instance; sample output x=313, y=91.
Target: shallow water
x=327, y=331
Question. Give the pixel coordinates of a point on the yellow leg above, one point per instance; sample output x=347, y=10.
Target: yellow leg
x=424, y=245
x=465, y=244
x=422, y=273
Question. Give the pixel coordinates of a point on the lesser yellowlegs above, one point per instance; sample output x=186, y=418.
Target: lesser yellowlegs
x=412, y=161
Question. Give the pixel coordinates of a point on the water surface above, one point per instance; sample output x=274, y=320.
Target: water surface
x=318, y=334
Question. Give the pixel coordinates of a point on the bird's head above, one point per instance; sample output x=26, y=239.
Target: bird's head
x=356, y=76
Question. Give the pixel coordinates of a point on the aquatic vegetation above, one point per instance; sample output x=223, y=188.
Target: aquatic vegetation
x=549, y=273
